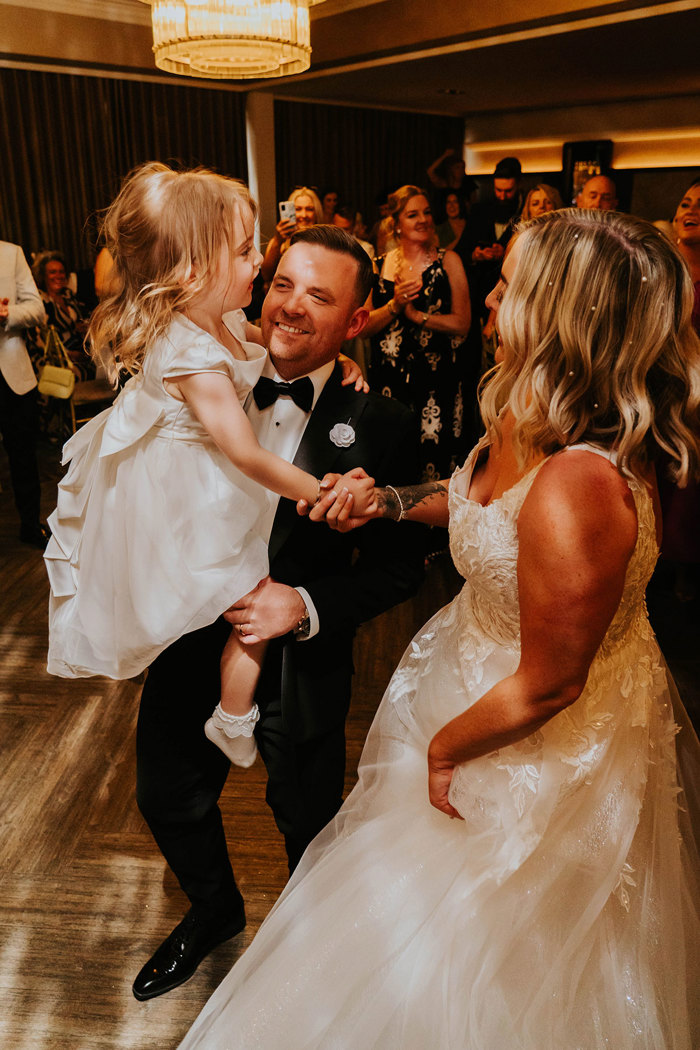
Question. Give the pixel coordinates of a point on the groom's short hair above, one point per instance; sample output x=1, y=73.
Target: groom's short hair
x=336, y=240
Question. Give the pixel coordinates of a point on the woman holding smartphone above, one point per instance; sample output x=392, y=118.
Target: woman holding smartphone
x=306, y=211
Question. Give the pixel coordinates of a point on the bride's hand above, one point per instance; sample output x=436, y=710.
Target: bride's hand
x=440, y=770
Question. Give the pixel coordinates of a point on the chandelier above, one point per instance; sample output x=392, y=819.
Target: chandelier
x=222, y=39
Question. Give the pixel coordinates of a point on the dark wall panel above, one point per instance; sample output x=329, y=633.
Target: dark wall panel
x=67, y=141
x=361, y=151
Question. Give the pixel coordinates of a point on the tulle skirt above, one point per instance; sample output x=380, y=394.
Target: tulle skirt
x=560, y=914
x=149, y=542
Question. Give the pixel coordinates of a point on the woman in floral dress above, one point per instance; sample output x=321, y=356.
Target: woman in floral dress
x=419, y=323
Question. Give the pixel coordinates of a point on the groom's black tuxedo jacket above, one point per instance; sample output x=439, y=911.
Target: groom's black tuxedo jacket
x=350, y=577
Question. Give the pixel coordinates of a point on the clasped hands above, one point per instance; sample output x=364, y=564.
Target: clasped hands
x=346, y=501
x=274, y=609
x=405, y=291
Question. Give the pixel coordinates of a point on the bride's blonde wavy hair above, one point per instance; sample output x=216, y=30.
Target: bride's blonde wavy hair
x=598, y=344
x=165, y=231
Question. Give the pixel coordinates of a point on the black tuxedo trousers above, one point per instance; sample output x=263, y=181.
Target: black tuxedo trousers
x=304, y=689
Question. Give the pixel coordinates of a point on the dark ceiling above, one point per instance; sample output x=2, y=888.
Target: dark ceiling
x=638, y=59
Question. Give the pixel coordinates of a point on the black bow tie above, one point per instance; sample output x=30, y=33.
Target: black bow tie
x=266, y=391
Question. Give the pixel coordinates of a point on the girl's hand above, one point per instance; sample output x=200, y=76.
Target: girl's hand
x=352, y=373
x=336, y=506
x=361, y=487
x=440, y=770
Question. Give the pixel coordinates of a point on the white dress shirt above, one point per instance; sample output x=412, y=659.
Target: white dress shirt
x=279, y=428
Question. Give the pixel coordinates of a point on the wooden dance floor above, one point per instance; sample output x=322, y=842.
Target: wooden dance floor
x=86, y=896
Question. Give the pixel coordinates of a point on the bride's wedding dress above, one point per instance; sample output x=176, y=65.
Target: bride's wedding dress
x=560, y=914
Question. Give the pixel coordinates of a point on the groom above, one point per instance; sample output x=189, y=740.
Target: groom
x=322, y=584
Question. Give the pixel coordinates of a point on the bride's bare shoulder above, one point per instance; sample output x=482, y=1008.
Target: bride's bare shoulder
x=580, y=500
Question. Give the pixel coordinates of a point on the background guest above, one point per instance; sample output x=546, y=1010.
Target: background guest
x=448, y=173
x=420, y=317
x=450, y=231
x=308, y=212
x=681, y=507
x=63, y=311
x=598, y=192
x=491, y=224
x=20, y=308
x=381, y=202
x=541, y=199
x=330, y=200
x=345, y=219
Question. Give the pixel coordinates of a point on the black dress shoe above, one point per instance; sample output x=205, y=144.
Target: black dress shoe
x=181, y=953
x=36, y=535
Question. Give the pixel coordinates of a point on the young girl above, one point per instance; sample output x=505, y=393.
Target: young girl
x=156, y=531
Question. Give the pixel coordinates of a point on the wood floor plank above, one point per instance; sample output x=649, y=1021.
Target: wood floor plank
x=85, y=896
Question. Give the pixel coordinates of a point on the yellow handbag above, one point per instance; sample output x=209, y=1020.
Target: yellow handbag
x=56, y=377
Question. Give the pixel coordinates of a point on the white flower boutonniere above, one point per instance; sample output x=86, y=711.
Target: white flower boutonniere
x=342, y=435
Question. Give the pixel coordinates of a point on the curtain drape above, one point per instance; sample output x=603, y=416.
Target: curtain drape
x=361, y=152
x=67, y=141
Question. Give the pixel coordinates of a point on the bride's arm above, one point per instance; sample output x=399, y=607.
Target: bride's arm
x=577, y=530
x=426, y=503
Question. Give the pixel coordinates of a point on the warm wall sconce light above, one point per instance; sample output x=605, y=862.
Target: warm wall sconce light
x=225, y=40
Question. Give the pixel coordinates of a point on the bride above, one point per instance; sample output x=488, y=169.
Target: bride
x=558, y=909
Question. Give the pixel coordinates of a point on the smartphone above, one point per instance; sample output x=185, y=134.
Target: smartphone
x=287, y=211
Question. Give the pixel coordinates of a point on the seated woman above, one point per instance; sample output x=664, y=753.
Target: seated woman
x=63, y=312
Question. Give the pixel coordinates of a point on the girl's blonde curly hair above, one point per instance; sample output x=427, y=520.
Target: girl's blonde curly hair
x=165, y=232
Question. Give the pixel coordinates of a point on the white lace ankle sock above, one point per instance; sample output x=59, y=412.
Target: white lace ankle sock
x=233, y=734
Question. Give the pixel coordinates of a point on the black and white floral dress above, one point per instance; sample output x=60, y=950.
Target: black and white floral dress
x=421, y=368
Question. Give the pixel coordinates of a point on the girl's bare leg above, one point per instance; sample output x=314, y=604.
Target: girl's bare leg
x=233, y=720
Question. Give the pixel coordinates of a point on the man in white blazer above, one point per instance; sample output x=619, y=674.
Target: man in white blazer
x=20, y=308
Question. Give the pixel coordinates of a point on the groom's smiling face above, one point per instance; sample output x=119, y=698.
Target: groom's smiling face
x=310, y=309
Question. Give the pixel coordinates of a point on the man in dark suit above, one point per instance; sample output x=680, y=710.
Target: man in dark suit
x=322, y=584
x=489, y=229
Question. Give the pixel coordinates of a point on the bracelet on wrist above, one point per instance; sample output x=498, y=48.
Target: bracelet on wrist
x=402, y=512
x=392, y=308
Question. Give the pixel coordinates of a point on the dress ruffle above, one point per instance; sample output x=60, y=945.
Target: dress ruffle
x=155, y=532
x=560, y=914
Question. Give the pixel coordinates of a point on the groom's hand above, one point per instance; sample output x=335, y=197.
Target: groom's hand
x=271, y=610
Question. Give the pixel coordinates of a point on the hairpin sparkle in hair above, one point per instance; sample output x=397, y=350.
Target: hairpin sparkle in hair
x=644, y=280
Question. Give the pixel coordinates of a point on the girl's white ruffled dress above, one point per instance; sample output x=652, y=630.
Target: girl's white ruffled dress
x=156, y=532
x=560, y=914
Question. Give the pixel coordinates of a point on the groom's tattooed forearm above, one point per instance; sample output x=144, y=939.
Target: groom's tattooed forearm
x=396, y=503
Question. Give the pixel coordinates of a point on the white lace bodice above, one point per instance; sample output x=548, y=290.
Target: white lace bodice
x=484, y=547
